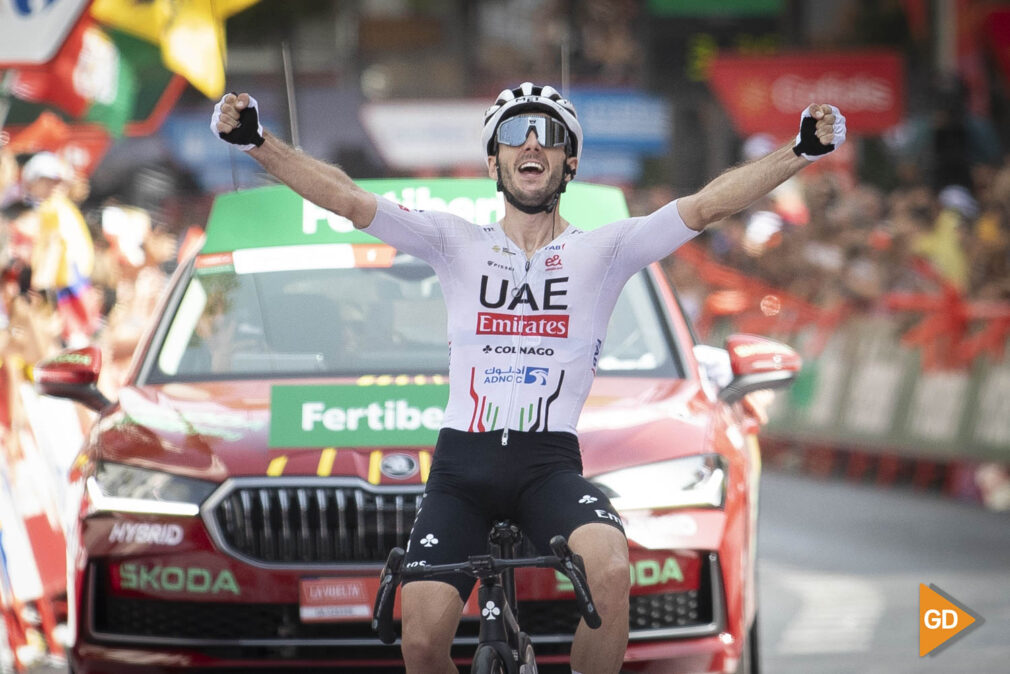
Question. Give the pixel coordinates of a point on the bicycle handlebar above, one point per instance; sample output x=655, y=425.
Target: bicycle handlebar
x=480, y=566
x=573, y=567
x=382, y=613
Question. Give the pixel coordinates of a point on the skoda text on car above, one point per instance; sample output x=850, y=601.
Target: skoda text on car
x=274, y=433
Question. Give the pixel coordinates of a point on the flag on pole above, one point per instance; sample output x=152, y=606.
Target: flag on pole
x=32, y=32
x=90, y=79
x=113, y=80
x=190, y=33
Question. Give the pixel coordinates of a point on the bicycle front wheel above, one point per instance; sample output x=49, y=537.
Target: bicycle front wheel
x=487, y=661
x=527, y=659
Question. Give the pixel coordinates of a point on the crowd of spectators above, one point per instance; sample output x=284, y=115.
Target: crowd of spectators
x=74, y=272
x=823, y=238
x=826, y=239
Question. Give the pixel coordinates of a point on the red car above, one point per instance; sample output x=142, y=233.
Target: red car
x=274, y=434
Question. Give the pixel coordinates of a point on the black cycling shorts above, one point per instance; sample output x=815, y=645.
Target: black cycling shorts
x=536, y=482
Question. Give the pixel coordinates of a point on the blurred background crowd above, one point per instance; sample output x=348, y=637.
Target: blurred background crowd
x=74, y=272
x=919, y=198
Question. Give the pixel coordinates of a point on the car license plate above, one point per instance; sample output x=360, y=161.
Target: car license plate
x=336, y=599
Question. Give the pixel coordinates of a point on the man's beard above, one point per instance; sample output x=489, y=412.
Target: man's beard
x=534, y=199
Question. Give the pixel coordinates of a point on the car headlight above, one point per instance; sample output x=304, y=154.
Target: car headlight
x=117, y=487
x=689, y=482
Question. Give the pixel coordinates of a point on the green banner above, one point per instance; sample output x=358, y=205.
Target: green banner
x=865, y=389
x=356, y=416
x=276, y=216
x=717, y=8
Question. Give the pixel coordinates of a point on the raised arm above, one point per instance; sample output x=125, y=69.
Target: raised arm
x=236, y=120
x=822, y=129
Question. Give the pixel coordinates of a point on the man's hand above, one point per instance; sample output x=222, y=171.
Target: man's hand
x=236, y=121
x=822, y=129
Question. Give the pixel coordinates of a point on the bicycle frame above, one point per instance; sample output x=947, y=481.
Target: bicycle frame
x=497, y=592
x=499, y=625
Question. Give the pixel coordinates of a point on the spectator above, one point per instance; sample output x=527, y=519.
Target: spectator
x=944, y=245
x=137, y=293
x=63, y=255
x=10, y=190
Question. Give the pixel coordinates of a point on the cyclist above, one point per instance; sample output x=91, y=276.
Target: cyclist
x=529, y=299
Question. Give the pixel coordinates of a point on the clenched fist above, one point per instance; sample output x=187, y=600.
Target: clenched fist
x=236, y=121
x=822, y=129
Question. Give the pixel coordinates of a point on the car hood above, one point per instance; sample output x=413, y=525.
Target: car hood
x=219, y=430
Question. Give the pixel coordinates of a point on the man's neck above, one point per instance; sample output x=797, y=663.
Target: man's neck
x=532, y=231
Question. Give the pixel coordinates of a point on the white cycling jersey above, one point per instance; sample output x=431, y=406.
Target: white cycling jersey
x=525, y=334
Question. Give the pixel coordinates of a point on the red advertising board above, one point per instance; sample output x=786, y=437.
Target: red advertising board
x=765, y=94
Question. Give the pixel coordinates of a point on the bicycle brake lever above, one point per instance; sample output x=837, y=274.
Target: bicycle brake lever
x=382, y=614
x=573, y=567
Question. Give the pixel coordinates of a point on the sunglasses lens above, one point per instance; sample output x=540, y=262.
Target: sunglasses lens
x=514, y=131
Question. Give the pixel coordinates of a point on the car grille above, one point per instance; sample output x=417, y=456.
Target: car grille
x=648, y=612
x=212, y=620
x=275, y=630
x=312, y=522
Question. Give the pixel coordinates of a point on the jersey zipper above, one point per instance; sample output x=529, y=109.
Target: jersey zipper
x=517, y=358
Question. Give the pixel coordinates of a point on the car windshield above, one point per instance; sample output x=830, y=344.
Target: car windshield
x=273, y=321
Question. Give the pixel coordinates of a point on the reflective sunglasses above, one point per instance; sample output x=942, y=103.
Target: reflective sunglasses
x=514, y=131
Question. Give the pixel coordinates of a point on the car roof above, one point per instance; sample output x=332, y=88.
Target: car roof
x=275, y=216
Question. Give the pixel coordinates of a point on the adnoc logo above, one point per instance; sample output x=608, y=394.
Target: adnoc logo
x=348, y=416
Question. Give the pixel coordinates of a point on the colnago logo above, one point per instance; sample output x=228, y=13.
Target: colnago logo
x=144, y=532
x=389, y=415
x=546, y=325
x=525, y=350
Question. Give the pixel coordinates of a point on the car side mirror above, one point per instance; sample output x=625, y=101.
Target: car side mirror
x=758, y=363
x=72, y=374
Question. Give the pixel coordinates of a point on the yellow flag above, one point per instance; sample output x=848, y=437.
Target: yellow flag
x=190, y=33
x=145, y=20
x=226, y=8
x=193, y=45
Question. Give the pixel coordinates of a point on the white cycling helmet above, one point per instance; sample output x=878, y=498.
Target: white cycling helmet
x=528, y=96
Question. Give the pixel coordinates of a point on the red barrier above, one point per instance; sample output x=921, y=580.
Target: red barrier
x=950, y=332
x=755, y=306
x=953, y=330
x=945, y=333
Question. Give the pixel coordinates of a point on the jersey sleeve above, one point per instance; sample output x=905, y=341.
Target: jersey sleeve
x=423, y=234
x=643, y=240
